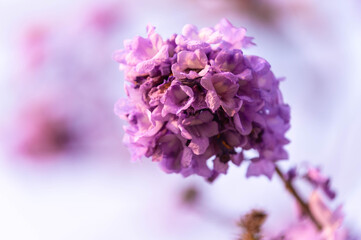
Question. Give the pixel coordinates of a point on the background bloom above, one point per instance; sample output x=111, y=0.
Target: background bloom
x=62, y=87
x=331, y=221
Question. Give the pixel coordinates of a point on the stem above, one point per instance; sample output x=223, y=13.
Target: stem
x=303, y=204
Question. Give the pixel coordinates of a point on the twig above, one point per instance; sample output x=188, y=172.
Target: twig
x=303, y=204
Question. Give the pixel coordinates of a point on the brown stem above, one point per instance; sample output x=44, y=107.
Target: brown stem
x=303, y=204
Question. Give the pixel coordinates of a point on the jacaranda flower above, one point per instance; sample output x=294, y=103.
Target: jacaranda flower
x=196, y=102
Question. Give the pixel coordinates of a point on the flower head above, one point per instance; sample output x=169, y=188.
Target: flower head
x=196, y=97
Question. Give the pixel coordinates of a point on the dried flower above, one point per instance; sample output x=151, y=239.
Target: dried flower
x=190, y=196
x=196, y=97
x=251, y=225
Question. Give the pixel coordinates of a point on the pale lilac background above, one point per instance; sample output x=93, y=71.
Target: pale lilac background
x=111, y=198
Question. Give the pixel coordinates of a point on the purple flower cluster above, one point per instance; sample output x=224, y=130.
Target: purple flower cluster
x=196, y=102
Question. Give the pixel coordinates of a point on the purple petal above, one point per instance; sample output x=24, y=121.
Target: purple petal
x=235, y=37
x=243, y=125
x=148, y=65
x=258, y=64
x=200, y=166
x=177, y=98
x=188, y=60
x=120, y=56
x=261, y=167
x=172, y=125
x=213, y=101
x=186, y=157
x=154, y=38
x=201, y=118
x=237, y=159
x=231, y=106
x=219, y=166
x=246, y=75
x=190, y=31
x=230, y=61
x=207, y=83
x=123, y=108
x=199, y=145
x=142, y=49
x=209, y=129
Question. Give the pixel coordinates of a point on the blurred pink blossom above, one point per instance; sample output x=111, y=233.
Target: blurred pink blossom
x=65, y=84
x=304, y=228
